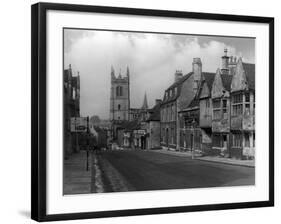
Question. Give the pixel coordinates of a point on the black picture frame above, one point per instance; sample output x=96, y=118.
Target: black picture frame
x=39, y=107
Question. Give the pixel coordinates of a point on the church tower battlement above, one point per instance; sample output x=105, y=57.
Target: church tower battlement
x=119, y=96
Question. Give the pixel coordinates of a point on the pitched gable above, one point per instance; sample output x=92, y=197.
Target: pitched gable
x=207, y=84
x=239, y=80
x=217, y=88
x=250, y=72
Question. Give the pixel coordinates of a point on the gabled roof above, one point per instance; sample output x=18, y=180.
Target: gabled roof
x=155, y=113
x=250, y=74
x=176, y=84
x=226, y=81
x=209, y=79
x=194, y=103
x=180, y=81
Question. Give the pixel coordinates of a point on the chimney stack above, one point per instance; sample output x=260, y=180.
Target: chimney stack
x=225, y=62
x=178, y=75
x=197, y=73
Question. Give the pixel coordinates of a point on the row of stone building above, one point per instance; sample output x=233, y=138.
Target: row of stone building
x=213, y=113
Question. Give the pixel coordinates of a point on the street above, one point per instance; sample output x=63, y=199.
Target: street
x=136, y=170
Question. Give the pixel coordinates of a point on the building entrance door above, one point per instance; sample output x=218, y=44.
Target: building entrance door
x=224, y=141
x=142, y=142
x=167, y=137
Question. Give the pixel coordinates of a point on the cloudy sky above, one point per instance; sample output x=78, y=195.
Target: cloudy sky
x=151, y=58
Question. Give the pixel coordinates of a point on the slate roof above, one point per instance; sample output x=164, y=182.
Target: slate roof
x=226, y=81
x=176, y=84
x=250, y=74
x=155, y=113
x=209, y=79
x=194, y=103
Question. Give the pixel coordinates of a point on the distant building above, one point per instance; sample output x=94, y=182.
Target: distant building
x=119, y=100
x=119, y=96
x=71, y=98
x=122, y=116
x=133, y=133
x=153, y=126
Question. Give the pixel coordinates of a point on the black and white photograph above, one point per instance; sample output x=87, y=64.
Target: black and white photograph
x=146, y=111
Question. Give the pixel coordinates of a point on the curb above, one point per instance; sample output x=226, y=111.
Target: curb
x=206, y=160
x=234, y=164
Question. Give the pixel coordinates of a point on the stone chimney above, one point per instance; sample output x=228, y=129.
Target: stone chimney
x=178, y=75
x=197, y=72
x=224, y=62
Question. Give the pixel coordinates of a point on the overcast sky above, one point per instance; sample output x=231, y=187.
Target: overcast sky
x=151, y=58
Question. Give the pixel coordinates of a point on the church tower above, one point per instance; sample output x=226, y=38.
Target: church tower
x=119, y=96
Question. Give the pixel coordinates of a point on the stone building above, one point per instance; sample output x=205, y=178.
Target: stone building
x=243, y=111
x=191, y=135
x=176, y=98
x=119, y=96
x=71, y=108
x=153, y=126
x=206, y=111
x=221, y=113
x=227, y=110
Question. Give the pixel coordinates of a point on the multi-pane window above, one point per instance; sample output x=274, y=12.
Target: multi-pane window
x=237, y=140
x=216, y=109
x=224, y=108
x=247, y=103
x=237, y=104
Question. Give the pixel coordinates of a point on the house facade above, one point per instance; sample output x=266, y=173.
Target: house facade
x=243, y=111
x=153, y=126
x=220, y=97
x=205, y=113
x=71, y=108
x=176, y=98
x=227, y=110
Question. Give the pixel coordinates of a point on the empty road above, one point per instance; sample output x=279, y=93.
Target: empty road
x=132, y=170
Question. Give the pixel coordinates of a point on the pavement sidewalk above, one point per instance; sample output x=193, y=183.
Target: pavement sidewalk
x=216, y=159
x=76, y=179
